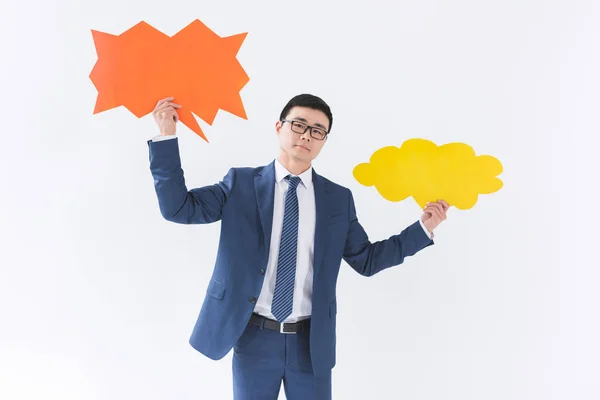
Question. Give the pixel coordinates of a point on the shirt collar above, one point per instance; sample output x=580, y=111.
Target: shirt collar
x=281, y=172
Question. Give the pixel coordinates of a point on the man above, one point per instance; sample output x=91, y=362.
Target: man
x=284, y=232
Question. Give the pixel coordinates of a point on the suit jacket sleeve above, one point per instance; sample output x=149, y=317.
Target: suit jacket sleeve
x=368, y=258
x=178, y=204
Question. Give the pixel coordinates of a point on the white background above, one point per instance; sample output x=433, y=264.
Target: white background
x=99, y=294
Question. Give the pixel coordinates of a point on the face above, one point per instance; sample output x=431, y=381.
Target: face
x=298, y=146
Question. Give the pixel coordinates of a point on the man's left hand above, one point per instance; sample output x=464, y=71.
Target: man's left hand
x=434, y=213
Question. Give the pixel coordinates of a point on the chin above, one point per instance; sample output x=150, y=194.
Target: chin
x=299, y=154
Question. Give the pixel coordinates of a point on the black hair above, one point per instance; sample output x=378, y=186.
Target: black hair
x=310, y=101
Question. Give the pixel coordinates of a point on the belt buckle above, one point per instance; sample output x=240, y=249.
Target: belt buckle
x=281, y=329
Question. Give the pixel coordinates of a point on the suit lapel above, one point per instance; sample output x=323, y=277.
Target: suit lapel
x=264, y=185
x=323, y=212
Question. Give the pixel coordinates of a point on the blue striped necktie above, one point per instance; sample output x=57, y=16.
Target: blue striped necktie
x=283, y=298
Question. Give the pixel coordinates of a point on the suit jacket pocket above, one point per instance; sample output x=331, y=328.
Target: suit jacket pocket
x=216, y=289
x=337, y=218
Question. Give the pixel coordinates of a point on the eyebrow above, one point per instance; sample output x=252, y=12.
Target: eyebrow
x=317, y=124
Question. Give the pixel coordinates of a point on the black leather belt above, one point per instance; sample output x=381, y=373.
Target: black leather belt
x=293, y=327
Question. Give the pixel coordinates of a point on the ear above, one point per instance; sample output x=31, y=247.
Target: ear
x=278, y=126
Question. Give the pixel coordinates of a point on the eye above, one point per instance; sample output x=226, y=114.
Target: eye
x=299, y=125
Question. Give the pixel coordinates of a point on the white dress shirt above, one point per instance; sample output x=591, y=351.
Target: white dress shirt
x=302, y=305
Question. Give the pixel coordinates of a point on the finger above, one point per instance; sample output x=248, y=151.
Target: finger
x=444, y=204
x=437, y=206
x=174, y=115
x=434, y=211
x=436, y=214
x=162, y=101
x=169, y=115
x=166, y=109
x=163, y=114
x=441, y=209
x=165, y=105
x=429, y=210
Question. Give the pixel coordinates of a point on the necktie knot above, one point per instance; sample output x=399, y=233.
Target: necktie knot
x=293, y=180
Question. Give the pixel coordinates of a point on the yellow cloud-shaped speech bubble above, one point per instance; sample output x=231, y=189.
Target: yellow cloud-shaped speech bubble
x=427, y=172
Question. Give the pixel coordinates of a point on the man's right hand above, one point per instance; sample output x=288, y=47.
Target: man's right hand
x=165, y=115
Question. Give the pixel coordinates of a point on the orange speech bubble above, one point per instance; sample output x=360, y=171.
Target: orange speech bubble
x=195, y=66
x=427, y=172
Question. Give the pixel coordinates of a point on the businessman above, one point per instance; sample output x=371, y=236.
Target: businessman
x=284, y=231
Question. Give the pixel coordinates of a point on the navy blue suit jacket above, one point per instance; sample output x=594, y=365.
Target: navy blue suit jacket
x=243, y=202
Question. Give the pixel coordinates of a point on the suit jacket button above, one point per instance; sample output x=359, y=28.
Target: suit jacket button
x=262, y=271
x=253, y=300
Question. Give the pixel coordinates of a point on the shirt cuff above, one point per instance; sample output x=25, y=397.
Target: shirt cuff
x=429, y=235
x=161, y=137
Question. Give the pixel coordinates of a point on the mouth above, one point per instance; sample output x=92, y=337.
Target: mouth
x=302, y=147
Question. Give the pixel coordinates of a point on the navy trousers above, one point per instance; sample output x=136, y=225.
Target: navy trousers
x=263, y=359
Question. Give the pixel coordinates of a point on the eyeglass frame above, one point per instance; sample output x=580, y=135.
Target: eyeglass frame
x=291, y=121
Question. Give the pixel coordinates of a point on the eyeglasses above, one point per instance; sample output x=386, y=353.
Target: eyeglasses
x=301, y=127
